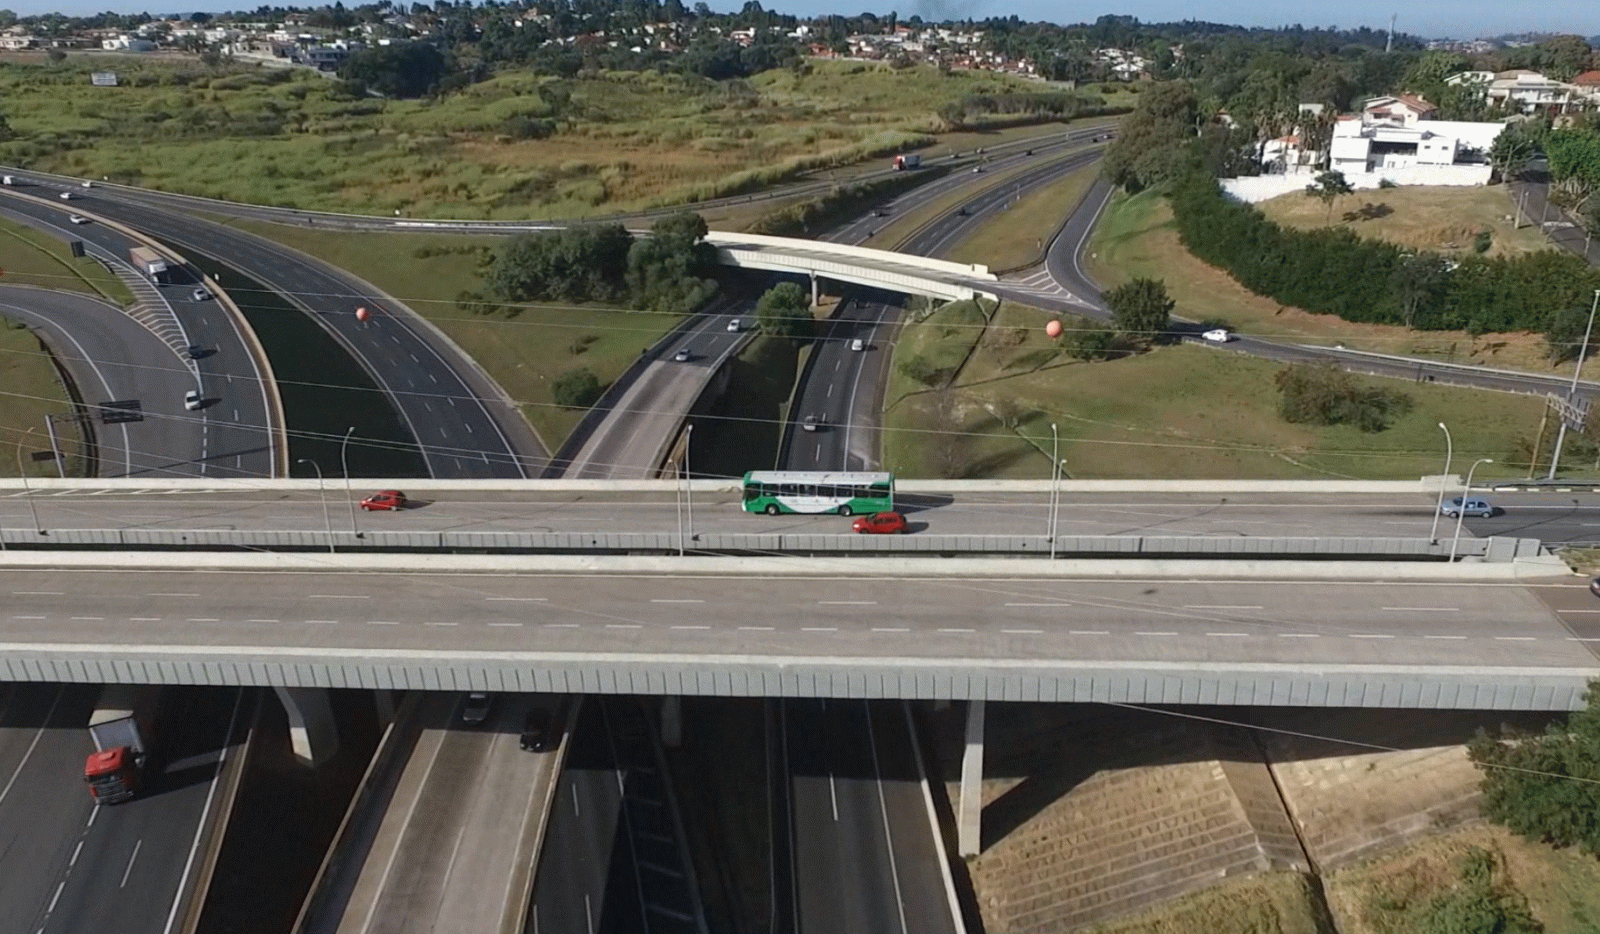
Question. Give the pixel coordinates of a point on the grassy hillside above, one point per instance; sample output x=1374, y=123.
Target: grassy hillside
x=622, y=140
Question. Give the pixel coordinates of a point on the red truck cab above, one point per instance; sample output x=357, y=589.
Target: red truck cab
x=112, y=775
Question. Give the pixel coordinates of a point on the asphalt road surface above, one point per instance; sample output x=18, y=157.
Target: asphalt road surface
x=463, y=423
x=113, y=358
x=1281, y=622
x=1551, y=517
x=70, y=866
x=234, y=428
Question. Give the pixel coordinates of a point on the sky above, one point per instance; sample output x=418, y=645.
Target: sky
x=1455, y=19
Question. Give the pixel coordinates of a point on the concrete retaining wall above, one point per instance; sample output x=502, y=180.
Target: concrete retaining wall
x=1265, y=187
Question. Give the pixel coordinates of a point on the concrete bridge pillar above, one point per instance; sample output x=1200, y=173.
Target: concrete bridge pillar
x=311, y=730
x=672, y=721
x=969, y=825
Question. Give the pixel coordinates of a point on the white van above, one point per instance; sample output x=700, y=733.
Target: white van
x=7, y=180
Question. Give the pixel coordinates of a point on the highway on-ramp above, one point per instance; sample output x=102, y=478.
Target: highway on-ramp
x=462, y=421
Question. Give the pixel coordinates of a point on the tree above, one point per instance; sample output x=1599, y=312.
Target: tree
x=1328, y=188
x=1512, y=150
x=1546, y=786
x=666, y=269
x=410, y=69
x=575, y=389
x=6, y=132
x=1150, y=147
x=785, y=311
x=1140, y=309
x=1415, y=282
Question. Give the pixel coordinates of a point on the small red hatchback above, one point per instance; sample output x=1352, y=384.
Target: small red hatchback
x=883, y=523
x=385, y=499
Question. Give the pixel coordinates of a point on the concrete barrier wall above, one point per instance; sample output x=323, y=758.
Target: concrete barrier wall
x=720, y=240
x=863, y=275
x=335, y=487
x=1264, y=187
x=1494, y=549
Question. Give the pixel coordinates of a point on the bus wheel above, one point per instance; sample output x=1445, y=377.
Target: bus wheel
x=772, y=509
x=844, y=510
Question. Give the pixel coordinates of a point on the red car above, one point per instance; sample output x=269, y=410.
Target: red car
x=883, y=523
x=385, y=499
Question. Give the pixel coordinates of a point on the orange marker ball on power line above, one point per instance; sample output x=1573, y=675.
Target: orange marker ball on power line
x=1053, y=329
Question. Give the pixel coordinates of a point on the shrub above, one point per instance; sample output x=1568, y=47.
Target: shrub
x=576, y=389
x=1323, y=394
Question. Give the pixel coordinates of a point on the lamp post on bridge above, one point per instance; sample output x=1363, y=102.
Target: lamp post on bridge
x=344, y=467
x=322, y=490
x=1055, y=484
x=1461, y=515
x=1449, y=452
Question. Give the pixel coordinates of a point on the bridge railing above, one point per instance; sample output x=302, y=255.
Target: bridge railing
x=1495, y=549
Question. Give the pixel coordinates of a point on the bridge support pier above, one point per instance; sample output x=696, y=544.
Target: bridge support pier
x=672, y=721
x=969, y=824
x=312, y=733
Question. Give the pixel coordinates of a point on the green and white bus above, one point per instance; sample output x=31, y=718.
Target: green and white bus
x=775, y=491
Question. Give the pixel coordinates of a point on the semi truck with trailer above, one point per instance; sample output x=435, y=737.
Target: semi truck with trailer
x=151, y=264
x=123, y=728
x=908, y=161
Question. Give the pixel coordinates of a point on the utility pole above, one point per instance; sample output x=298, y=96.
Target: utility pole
x=1389, y=46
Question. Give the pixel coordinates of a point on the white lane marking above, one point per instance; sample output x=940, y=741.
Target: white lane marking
x=204, y=619
x=261, y=621
x=29, y=617
x=1218, y=606
x=1453, y=638
x=129, y=871
x=1578, y=611
x=957, y=630
x=338, y=596
x=322, y=622
x=1421, y=609
x=623, y=626
x=819, y=629
x=1039, y=604
x=888, y=629
x=847, y=603
x=172, y=595
x=1230, y=634
x=1370, y=635
x=46, y=593
x=144, y=619
x=434, y=624
x=688, y=627
x=513, y=624
x=1088, y=632
x=1298, y=635
x=757, y=628
x=96, y=619
x=1022, y=632
x=1155, y=633
x=677, y=601
x=517, y=599
x=75, y=853
x=1516, y=638
x=59, y=886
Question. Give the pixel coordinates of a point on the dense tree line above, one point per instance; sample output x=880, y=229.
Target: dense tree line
x=409, y=69
x=667, y=271
x=1334, y=271
x=1546, y=786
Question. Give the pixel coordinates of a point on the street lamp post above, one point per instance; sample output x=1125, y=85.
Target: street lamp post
x=27, y=493
x=1449, y=452
x=1055, y=483
x=322, y=490
x=1462, y=515
x=344, y=467
x=1572, y=392
x=688, y=477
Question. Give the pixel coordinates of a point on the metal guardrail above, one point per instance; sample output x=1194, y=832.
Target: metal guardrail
x=1495, y=549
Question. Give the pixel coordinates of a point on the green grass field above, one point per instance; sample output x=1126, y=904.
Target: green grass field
x=1136, y=238
x=1017, y=237
x=524, y=348
x=30, y=390
x=1182, y=412
x=623, y=140
x=29, y=257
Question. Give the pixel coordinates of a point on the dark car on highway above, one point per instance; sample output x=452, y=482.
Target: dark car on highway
x=536, y=730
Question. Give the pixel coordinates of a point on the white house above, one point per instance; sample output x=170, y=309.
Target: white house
x=1360, y=147
x=1396, y=110
x=1523, y=91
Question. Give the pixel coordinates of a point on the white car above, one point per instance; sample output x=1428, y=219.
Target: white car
x=858, y=344
x=736, y=325
x=811, y=422
x=681, y=355
x=66, y=196
x=192, y=400
x=77, y=218
x=1219, y=335
x=87, y=183
x=201, y=294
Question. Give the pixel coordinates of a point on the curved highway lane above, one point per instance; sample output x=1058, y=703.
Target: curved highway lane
x=463, y=422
